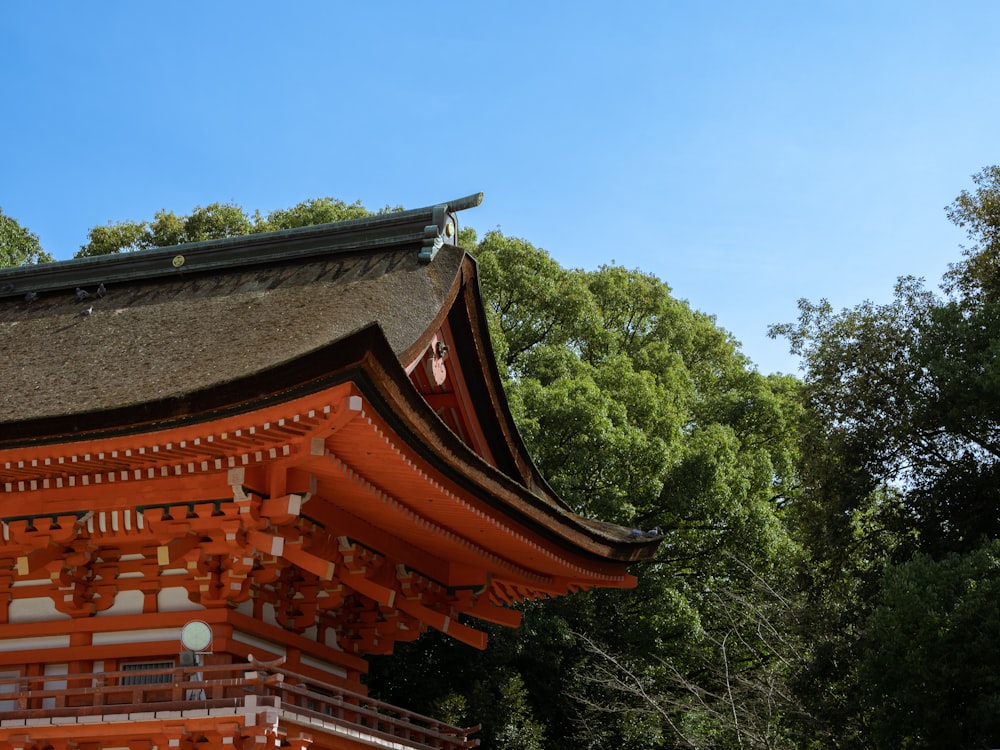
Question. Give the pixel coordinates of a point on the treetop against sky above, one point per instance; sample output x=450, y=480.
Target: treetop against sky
x=747, y=155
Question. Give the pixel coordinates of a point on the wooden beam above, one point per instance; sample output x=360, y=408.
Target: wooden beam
x=483, y=610
x=388, y=597
x=169, y=554
x=269, y=545
x=282, y=510
x=294, y=553
x=27, y=564
x=444, y=623
x=358, y=582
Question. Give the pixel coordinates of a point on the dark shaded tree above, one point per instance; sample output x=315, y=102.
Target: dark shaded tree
x=900, y=459
x=934, y=625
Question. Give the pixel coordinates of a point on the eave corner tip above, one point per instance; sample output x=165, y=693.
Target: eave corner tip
x=444, y=229
x=469, y=201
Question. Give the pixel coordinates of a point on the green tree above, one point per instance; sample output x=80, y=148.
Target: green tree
x=214, y=221
x=978, y=212
x=901, y=457
x=18, y=245
x=642, y=411
x=125, y=236
x=934, y=627
x=312, y=212
x=517, y=729
x=911, y=391
x=731, y=690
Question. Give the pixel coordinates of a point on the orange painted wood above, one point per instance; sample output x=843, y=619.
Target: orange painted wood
x=231, y=705
x=324, y=569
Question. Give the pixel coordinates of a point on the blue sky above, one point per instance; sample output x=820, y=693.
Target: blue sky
x=748, y=154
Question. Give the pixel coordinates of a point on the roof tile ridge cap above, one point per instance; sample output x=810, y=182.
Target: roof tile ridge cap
x=87, y=270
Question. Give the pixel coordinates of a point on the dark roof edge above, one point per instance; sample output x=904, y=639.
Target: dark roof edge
x=499, y=414
x=365, y=359
x=428, y=228
x=427, y=436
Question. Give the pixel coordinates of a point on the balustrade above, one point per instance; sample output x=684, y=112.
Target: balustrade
x=258, y=691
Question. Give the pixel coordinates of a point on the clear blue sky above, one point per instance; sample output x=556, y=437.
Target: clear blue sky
x=747, y=153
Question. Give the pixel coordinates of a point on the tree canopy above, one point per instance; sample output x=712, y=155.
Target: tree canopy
x=641, y=411
x=900, y=511
x=934, y=626
x=211, y=222
x=18, y=245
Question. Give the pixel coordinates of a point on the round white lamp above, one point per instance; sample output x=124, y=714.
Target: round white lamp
x=196, y=636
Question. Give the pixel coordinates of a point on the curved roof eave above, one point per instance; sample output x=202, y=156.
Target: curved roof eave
x=322, y=305
x=366, y=359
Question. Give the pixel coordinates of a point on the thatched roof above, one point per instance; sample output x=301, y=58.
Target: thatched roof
x=164, y=330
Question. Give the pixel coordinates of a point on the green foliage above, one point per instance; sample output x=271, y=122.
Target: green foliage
x=641, y=411
x=931, y=666
x=862, y=376
x=722, y=683
x=312, y=212
x=214, y=221
x=125, y=236
x=978, y=276
x=533, y=301
x=467, y=237
x=593, y=452
x=210, y=222
x=452, y=708
x=901, y=457
x=911, y=391
x=18, y=245
x=517, y=730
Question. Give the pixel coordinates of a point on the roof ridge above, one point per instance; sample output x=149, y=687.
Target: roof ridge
x=429, y=227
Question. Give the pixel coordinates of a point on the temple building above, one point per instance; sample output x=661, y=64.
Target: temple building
x=232, y=470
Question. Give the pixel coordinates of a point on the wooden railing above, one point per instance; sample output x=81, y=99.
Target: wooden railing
x=252, y=688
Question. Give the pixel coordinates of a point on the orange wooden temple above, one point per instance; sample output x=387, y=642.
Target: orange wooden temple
x=230, y=470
